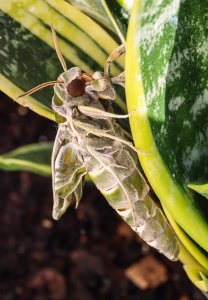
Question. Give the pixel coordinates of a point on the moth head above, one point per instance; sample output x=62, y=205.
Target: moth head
x=78, y=84
x=78, y=80
x=73, y=86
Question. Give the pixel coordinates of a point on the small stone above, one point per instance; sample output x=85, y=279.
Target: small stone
x=46, y=224
x=147, y=273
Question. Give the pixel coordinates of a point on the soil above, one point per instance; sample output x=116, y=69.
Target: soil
x=88, y=254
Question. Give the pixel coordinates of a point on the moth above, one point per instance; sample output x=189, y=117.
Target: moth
x=90, y=141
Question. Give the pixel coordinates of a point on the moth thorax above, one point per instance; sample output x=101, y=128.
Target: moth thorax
x=76, y=88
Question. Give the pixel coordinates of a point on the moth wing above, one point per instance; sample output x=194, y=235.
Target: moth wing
x=67, y=173
x=79, y=191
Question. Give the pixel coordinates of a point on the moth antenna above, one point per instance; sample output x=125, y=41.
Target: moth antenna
x=39, y=87
x=58, y=52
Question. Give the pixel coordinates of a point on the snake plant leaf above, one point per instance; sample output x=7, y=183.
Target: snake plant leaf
x=126, y=4
x=205, y=280
x=189, y=247
x=111, y=14
x=94, y=9
x=166, y=82
x=118, y=15
x=195, y=271
x=34, y=158
x=201, y=188
x=27, y=56
x=198, y=278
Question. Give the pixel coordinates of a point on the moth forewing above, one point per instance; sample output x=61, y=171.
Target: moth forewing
x=67, y=172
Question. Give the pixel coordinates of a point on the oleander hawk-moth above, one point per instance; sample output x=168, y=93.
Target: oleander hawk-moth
x=90, y=141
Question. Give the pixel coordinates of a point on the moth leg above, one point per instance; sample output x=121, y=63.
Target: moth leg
x=112, y=152
x=113, y=56
x=109, y=157
x=102, y=133
x=119, y=166
x=96, y=113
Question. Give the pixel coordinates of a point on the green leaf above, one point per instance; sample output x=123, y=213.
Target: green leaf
x=126, y=4
x=166, y=82
x=110, y=14
x=201, y=188
x=34, y=158
x=194, y=251
x=118, y=15
x=205, y=280
x=95, y=10
x=194, y=270
x=27, y=57
x=196, y=277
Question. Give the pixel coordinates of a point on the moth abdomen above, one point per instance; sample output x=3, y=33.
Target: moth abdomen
x=128, y=193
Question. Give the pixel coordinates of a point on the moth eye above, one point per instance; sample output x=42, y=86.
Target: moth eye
x=76, y=88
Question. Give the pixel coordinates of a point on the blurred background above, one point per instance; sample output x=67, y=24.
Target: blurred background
x=88, y=254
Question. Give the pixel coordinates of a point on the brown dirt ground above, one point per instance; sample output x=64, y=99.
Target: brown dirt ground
x=85, y=255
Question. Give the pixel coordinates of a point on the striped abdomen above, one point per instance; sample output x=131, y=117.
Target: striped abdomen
x=115, y=172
